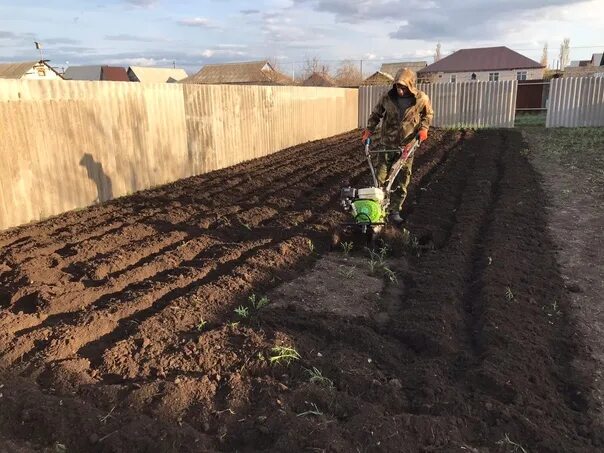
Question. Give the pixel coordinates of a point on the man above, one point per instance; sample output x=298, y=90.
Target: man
x=405, y=112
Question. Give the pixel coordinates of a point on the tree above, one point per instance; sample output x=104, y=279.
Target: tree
x=564, y=53
x=437, y=53
x=544, y=56
x=348, y=74
x=312, y=65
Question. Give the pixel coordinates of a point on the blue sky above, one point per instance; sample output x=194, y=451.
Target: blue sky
x=193, y=33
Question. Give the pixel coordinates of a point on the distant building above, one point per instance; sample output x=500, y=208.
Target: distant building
x=249, y=73
x=92, y=72
x=156, y=75
x=586, y=68
x=29, y=70
x=114, y=74
x=393, y=68
x=378, y=78
x=97, y=73
x=483, y=64
x=318, y=79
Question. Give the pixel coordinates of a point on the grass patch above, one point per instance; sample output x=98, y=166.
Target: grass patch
x=530, y=119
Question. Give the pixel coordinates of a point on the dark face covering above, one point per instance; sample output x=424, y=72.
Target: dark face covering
x=404, y=100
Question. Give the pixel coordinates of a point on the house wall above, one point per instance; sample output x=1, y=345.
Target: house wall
x=483, y=76
x=41, y=72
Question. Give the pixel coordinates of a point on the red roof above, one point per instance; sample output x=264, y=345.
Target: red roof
x=482, y=59
x=114, y=74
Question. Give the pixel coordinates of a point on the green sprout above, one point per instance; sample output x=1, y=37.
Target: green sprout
x=509, y=295
x=202, y=324
x=347, y=247
x=348, y=273
x=390, y=274
x=258, y=303
x=242, y=312
x=311, y=246
x=515, y=446
x=315, y=411
x=316, y=377
x=283, y=355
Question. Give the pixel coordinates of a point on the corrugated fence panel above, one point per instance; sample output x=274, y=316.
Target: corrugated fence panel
x=67, y=145
x=576, y=102
x=229, y=124
x=466, y=104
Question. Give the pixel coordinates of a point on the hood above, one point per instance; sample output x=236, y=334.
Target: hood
x=408, y=78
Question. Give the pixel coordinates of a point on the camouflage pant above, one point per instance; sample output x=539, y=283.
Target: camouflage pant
x=403, y=179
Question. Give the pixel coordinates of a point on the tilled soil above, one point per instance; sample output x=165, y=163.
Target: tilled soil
x=118, y=331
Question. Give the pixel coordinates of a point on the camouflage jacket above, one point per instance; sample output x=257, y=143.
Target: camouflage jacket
x=397, y=132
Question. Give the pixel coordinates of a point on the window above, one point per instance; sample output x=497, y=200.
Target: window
x=493, y=77
x=453, y=78
x=521, y=75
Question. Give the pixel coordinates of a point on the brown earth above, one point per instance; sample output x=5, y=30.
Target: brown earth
x=571, y=165
x=118, y=331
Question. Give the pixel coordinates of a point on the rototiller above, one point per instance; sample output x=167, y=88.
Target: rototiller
x=369, y=206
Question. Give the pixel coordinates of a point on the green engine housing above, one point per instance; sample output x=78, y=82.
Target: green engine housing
x=367, y=211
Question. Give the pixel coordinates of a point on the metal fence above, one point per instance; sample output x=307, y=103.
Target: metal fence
x=466, y=104
x=67, y=145
x=576, y=102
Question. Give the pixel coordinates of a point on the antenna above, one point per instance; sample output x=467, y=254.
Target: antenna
x=39, y=47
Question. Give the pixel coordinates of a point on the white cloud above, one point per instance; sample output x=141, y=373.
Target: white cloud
x=201, y=22
x=140, y=61
x=142, y=3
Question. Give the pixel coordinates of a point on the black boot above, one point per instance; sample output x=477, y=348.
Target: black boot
x=395, y=217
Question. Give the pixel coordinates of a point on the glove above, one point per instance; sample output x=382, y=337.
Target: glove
x=423, y=134
x=366, y=134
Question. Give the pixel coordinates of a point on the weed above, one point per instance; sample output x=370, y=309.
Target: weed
x=515, y=447
x=555, y=309
x=377, y=262
x=202, y=324
x=347, y=247
x=348, y=273
x=258, y=303
x=316, y=377
x=414, y=243
x=509, y=295
x=225, y=219
x=384, y=252
x=311, y=246
x=389, y=273
x=373, y=265
x=283, y=355
x=242, y=312
x=233, y=325
x=315, y=411
x=245, y=225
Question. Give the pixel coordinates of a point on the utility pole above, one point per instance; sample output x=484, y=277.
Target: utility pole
x=174, y=64
x=361, y=69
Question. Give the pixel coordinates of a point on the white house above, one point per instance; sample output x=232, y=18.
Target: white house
x=29, y=70
x=482, y=64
